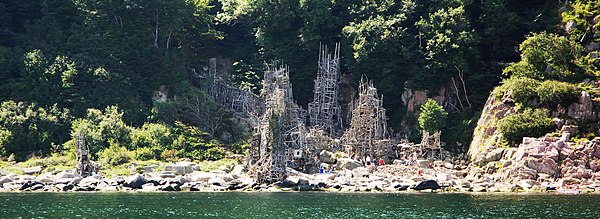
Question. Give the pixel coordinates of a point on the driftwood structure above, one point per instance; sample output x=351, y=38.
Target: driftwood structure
x=367, y=136
x=85, y=167
x=281, y=132
x=325, y=111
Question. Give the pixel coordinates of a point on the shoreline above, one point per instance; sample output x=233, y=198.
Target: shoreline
x=437, y=178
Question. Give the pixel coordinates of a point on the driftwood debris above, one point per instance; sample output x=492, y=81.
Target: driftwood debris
x=325, y=111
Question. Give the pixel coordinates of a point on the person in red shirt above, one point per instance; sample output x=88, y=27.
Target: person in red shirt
x=381, y=162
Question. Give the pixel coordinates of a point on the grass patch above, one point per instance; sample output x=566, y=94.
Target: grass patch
x=208, y=166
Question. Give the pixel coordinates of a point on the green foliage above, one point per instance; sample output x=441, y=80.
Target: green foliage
x=144, y=154
x=583, y=13
x=115, y=155
x=28, y=129
x=433, y=117
x=554, y=92
x=53, y=163
x=100, y=128
x=519, y=88
x=170, y=155
x=208, y=166
x=547, y=56
x=530, y=123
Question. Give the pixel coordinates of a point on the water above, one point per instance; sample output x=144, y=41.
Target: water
x=296, y=205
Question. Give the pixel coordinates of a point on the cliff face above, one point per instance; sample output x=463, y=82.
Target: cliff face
x=538, y=159
x=486, y=136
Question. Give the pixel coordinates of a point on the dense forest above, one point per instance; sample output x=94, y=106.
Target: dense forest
x=93, y=66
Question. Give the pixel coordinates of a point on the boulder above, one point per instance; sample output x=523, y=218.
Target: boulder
x=526, y=183
x=5, y=179
x=88, y=182
x=166, y=174
x=29, y=184
x=428, y=184
x=67, y=174
x=347, y=163
x=583, y=109
x=360, y=172
x=201, y=176
x=218, y=181
x=136, y=181
x=423, y=163
x=32, y=170
x=544, y=165
x=494, y=155
x=149, y=168
x=327, y=157
x=182, y=168
x=65, y=187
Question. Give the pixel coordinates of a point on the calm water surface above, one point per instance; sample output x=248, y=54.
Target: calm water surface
x=295, y=205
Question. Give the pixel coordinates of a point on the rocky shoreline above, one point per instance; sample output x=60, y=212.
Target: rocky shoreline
x=422, y=175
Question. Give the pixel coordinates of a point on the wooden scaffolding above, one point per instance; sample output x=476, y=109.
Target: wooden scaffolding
x=325, y=111
x=367, y=135
x=85, y=167
x=281, y=133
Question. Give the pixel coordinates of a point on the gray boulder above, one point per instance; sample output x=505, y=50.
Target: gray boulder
x=327, y=157
x=347, y=163
x=32, y=170
x=494, y=155
x=136, y=181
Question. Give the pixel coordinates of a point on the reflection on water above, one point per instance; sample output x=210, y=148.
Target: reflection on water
x=296, y=205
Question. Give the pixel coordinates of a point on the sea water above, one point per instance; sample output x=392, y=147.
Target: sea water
x=296, y=205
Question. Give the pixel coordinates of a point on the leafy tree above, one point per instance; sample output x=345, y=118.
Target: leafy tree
x=432, y=117
x=547, y=56
x=27, y=129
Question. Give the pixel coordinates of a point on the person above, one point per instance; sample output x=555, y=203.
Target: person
x=381, y=162
x=419, y=172
x=321, y=168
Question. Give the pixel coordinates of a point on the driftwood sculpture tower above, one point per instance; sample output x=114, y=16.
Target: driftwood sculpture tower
x=367, y=135
x=325, y=112
x=281, y=133
x=84, y=166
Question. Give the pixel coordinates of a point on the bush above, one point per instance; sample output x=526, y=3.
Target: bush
x=170, y=155
x=519, y=88
x=530, y=123
x=547, y=56
x=152, y=135
x=115, y=155
x=555, y=92
x=215, y=153
x=144, y=154
x=433, y=117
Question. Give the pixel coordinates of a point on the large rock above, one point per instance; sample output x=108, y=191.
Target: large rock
x=66, y=174
x=217, y=181
x=32, y=170
x=428, y=184
x=5, y=179
x=201, y=176
x=494, y=155
x=583, y=109
x=347, y=163
x=181, y=168
x=136, y=181
x=89, y=182
x=327, y=157
x=423, y=163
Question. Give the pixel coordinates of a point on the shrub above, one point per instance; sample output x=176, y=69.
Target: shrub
x=555, y=92
x=215, y=153
x=115, y=155
x=169, y=155
x=152, y=135
x=144, y=154
x=519, y=88
x=433, y=116
x=547, y=56
x=532, y=123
